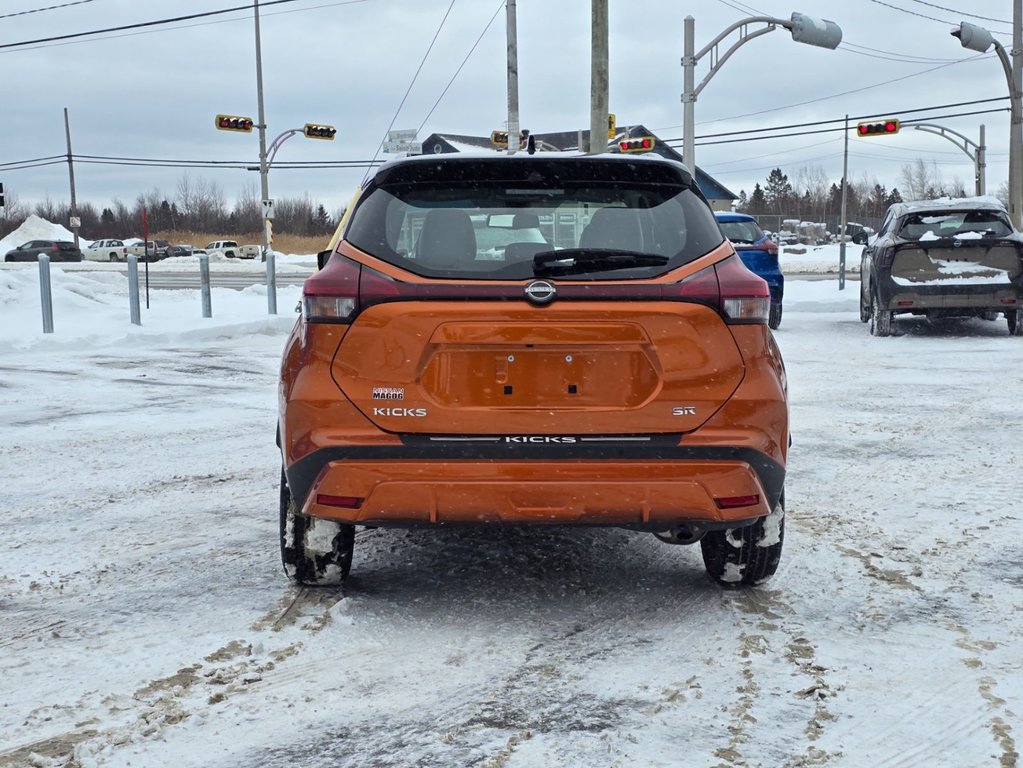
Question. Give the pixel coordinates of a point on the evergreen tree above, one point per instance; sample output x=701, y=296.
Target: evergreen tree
x=778, y=192
x=757, y=201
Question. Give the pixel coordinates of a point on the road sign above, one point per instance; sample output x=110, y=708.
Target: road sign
x=75, y=222
x=268, y=209
x=408, y=147
x=404, y=135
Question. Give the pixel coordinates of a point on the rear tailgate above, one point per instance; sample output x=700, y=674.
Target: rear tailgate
x=959, y=261
x=497, y=368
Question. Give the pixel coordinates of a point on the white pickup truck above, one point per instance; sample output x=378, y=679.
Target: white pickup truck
x=232, y=250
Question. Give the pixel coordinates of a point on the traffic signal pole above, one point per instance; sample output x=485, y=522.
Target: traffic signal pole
x=264, y=183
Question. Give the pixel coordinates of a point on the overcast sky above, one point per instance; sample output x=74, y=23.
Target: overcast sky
x=153, y=92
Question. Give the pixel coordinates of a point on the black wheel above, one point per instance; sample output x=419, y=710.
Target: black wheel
x=774, y=319
x=880, y=320
x=314, y=551
x=112, y=257
x=1015, y=320
x=865, y=308
x=740, y=557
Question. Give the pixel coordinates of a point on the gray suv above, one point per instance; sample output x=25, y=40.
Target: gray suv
x=942, y=259
x=57, y=250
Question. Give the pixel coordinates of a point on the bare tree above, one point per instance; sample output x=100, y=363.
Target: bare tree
x=812, y=185
x=920, y=181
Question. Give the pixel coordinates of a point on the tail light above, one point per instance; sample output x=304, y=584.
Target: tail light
x=339, y=291
x=740, y=295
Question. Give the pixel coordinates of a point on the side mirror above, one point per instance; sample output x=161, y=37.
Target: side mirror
x=322, y=258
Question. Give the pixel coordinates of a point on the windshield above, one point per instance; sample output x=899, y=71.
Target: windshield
x=493, y=229
x=934, y=225
x=742, y=232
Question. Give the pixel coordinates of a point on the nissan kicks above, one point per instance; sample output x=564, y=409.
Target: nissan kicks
x=543, y=339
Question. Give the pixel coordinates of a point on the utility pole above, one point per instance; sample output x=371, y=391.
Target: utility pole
x=598, y=78
x=1016, y=139
x=843, y=224
x=264, y=184
x=74, y=223
x=513, y=79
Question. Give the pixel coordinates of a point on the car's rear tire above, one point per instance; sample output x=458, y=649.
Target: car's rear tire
x=880, y=319
x=742, y=557
x=774, y=319
x=314, y=551
x=112, y=257
x=1015, y=319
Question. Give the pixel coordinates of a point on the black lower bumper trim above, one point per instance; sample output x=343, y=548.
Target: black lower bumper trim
x=303, y=473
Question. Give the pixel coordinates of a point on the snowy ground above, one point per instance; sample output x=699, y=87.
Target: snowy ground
x=147, y=621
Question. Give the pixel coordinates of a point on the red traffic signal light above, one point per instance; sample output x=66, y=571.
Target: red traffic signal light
x=890, y=125
x=314, y=131
x=234, y=123
x=639, y=144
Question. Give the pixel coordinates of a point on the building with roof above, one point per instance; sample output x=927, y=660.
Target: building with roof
x=719, y=196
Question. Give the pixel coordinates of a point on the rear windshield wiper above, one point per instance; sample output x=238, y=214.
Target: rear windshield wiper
x=572, y=260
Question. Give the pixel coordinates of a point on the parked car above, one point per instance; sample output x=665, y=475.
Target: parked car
x=151, y=250
x=57, y=250
x=624, y=378
x=759, y=253
x=941, y=259
x=858, y=233
x=182, y=250
x=106, y=250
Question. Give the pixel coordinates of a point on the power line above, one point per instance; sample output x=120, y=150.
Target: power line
x=953, y=105
x=40, y=10
x=500, y=5
x=143, y=24
x=912, y=13
x=834, y=95
x=839, y=128
x=416, y=75
x=963, y=13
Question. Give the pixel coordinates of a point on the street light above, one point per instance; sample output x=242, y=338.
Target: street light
x=804, y=29
x=977, y=154
x=979, y=39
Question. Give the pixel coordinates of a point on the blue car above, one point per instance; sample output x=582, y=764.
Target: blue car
x=758, y=252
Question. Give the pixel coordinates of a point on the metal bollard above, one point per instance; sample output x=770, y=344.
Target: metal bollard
x=271, y=282
x=133, y=289
x=45, y=292
x=204, y=284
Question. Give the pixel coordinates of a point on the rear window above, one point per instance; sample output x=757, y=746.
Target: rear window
x=742, y=232
x=473, y=227
x=935, y=225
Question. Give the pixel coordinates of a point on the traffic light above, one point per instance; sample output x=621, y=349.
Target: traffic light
x=234, y=123
x=891, y=125
x=639, y=144
x=1, y=194
x=314, y=131
x=500, y=138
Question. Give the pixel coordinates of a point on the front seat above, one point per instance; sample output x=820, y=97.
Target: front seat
x=448, y=240
x=614, y=228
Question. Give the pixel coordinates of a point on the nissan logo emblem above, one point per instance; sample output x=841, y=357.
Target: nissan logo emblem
x=541, y=292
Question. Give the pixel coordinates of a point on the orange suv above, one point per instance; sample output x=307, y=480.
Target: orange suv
x=542, y=339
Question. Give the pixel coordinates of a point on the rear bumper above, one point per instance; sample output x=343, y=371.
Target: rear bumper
x=654, y=487
x=899, y=297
